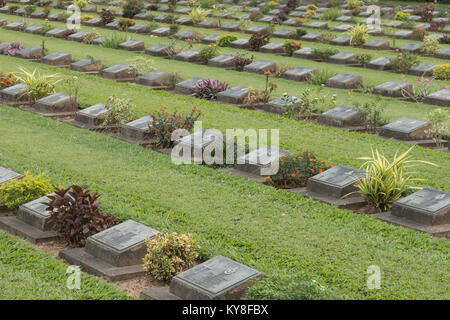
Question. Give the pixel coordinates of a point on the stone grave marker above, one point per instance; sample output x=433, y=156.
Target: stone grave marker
x=34, y=213
x=341, y=41
x=260, y=159
x=222, y=61
x=95, y=22
x=196, y=143
x=163, y=18
x=78, y=36
x=138, y=28
x=341, y=116
x=284, y=33
x=318, y=25
x=343, y=28
x=15, y=95
x=268, y=19
x=216, y=279
x=403, y=34
x=91, y=9
x=443, y=54
x=344, y=81
x=344, y=19
x=410, y=47
x=57, y=104
x=160, y=50
x=439, y=98
x=273, y=48
x=136, y=131
x=99, y=41
x=55, y=17
x=163, y=9
x=211, y=39
x=155, y=78
x=112, y=25
x=187, y=35
x=132, y=45
x=393, y=89
x=377, y=45
x=405, y=129
x=240, y=44
x=187, y=86
x=299, y=74
x=57, y=33
x=187, y=56
x=395, y=24
x=260, y=67
x=90, y=118
x=7, y=175
x=143, y=16
x=292, y=22
x=115, y=253
x=279, y=106
x=59, y=59
x=335, y=182
x=183, y=11
x=257, y=29
x=208, y=24
x=343, y=58
x=184, y=21
x=423, y=70
x=233, y=95
x=233, y=27
x=16, y=26
x=87, y=65
x=36, y=29
x=119, y=72
x=311, y=36
x=304, y=53
x=30, y=53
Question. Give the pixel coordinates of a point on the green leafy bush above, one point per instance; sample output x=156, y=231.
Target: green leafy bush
x=438, y=120
x=371, y=114
x=207, y=53
x=331, y=14
x=120, y=111
x=17, y=192
x=226, y=39
x=132, y=8
x=404, y=61
x=401, y=16
x=430, y=46
x=324, y=53
x=442, y=72
x=169, y=254
x=320, y=77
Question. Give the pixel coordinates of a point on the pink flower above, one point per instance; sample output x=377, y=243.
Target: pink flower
x=446, y=87
x=427, y=80
x=31, y=20
x=418, y=80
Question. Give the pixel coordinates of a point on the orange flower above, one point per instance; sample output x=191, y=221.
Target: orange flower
x=293, y=175
x=330, y=166
x=312, y=170
x=266, y=178
x=320, y=171
x=312, y=160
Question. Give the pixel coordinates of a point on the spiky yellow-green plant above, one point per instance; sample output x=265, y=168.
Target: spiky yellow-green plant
x=358, y=35
x=198, y=15
x=38, y=85
x=387, y=181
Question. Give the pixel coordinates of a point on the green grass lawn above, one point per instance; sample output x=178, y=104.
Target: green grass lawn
x=26, y=273
x=394, y=108
x=279, y=233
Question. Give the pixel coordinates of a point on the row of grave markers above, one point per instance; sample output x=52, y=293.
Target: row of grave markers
x=329, y=186
x=404, y=130
x=117, y=253
x=341, y=81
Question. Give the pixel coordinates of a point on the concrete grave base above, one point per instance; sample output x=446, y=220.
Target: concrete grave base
x=98, y=267
x=243, y=174
x=441, y=231
x=19, y=228
x=158, y=294
x=351, y=202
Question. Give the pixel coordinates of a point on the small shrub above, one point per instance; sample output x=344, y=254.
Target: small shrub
x=241, y=61
x=169, y=254
x=386, y=181
x=207, y=53
x=355, y=11
x=152, y=25
x=12, y=8
x=419, y=34
x=320, y=77
x=363, y=58
x=164, y=124
x=437, y=26
x=289, y=46
x=174, y=28
x=401, y=16
x=107, y=16
x=124, y=24
x=300, y=33
x=426, y=12
x=67, y=33
x=208, y=89
x=75, y=214
x=442, y=72
x=257, y=40
x=226, y=39
x=90, y=37
x=295, y=169
x=358, y=35
x=324, y=53
x=7, y=80
x=371, y=114
x=331, y=14
x=115, y=40
x=403, y=62
x=17, y=192
x=120, y=111
x=171, y=80
x=140, y=65
x=438, y=120
x=38, y=85
x=430, y=46
x=132, y=8
x=198, y=15
x=12, y=49
x=29, y=9
x=353, y=4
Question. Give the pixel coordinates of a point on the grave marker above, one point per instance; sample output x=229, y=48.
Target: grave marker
x=341, y=116
x=345, y=81
x=57, y=104
x=187, y=86
x=235, y=95
x=405, y=129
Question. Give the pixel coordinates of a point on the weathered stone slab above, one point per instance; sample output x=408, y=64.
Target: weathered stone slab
x=38, y=15
x=216, y=279
x=395, y=24
x=191, y=35
x=284, y=33
x=138, y=28
x=120, y=72
x=208, y=24
x=163, y=18
x=211, y=39
x=292, y=22
x=7, y=175
x=235, y=95
x=91, y=118
x=423, y=70
x=240, y=44
x=263, y=161
x=191, y=147
x=411, y=47
x=121, y=245
x=95, y=22
x=15, y=95
x=261, y=67
x=269, y=19
x=16, y=26
x=161, y=32
x=403, y=34
x=312, y=36
x=187, y=56
x=279, y=106
x=257, y=29
x=341, y=116
x=114, y=25
x=344, y=19
x=59, y=59
x=377, y=45
x=232, y=27
x=439, y=98
x=343, y=58
x=184, y=21
x=34, y=213
x=427, y=206
x=78, y=36
x=143, y=16
x=393, y=89
x=57, y=33
x=160, y=50
x=444, y=54
x=304, y=53
x=341, y=41
x=183, y=11
x=187, y=86
x=36, y=29
x=137, y=131
x=345, y=81
x=86, y=65
x=132, y=45
x=343, y=28
x=58, y=103
x=299, y=74
x=222, y=61
x=30, y=53
x=318, y=25
x=155, y=78
x=91, y=9
x=272, y=47
x=335, y=182
x=405, y=129
x=99, y=41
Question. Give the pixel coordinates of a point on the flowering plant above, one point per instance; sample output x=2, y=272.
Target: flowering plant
x=295, y=169
x=7, y=80
x=12, y=48
x=255, y=96
x=290, y=46
x=163, y=125
x=124, y=24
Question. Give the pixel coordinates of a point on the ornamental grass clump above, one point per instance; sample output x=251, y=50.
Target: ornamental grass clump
x=170, y=254
x=358, y=35
x=17, y=192
x=295, y=169
x=164, y=124
x=38, y=85
x=208, y=89
x=75, y=214
x=386, y=181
